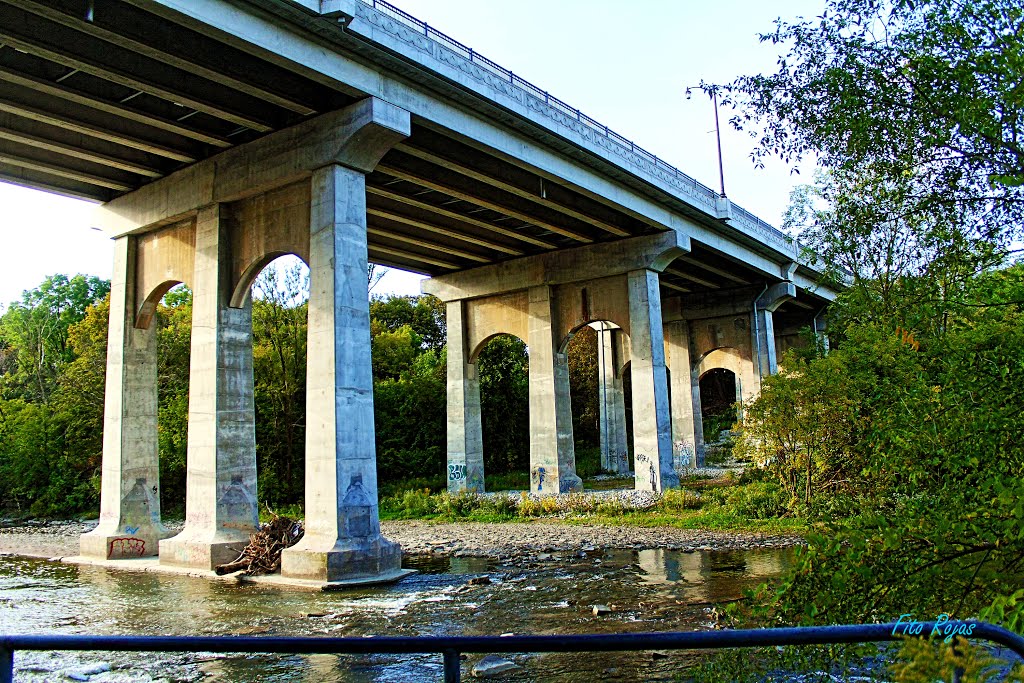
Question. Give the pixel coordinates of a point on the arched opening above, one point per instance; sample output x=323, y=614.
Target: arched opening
x=719, y=394
x=280, y=296
x=170, y=309
x=503, y=367
x=594, y=354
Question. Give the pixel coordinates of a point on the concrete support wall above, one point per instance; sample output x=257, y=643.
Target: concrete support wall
x=465, y=432
x=652, y=435
x=552, y=457
x=611, y=399
x=221, y=507
x=687, y=427
x=764, y=329
x=343, y=539
x=130, y=523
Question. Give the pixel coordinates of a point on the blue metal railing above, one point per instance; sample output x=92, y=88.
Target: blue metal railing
x=452, y=647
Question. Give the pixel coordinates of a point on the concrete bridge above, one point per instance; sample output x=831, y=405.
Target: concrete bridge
x=219, y=135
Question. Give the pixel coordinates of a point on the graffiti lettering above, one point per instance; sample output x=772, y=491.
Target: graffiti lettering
x=537, y=478
x=456, y=472
x=127, y=547
x=131, y=530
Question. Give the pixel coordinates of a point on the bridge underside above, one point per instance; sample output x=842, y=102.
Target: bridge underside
x=214, y=152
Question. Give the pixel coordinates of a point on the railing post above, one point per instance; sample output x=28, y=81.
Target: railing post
x=7, y=665
x=452, y=667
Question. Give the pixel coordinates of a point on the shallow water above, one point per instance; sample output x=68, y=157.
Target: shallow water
x=649, y=590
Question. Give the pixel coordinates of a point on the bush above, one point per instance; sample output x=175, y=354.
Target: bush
x=678, y=500
x=760, y=500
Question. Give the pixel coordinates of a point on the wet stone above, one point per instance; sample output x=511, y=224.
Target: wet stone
x=491, y=666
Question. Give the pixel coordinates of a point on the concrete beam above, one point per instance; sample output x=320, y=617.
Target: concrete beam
x=650, y=252
x=356, y=136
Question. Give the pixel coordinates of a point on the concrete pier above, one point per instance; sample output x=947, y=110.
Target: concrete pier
x=652, y=432
x=552, y=455
x=465, y=431
x=221, y=509
x=343, y=539
x=611, y=399
x=130, y=523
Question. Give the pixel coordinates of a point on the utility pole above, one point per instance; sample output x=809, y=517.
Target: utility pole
x=713, y=92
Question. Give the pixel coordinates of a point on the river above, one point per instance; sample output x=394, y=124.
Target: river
x=648, y=590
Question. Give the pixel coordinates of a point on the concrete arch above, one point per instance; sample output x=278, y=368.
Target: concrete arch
x=264, y=227
x=609, y=326
x=732, y=359
x=147, y=309
x=242, y=289
x=163, y=258
x=491, y=316
x=483, y=342
x=724, y=357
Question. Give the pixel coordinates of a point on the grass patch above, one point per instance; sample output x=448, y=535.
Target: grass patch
x=727, y=506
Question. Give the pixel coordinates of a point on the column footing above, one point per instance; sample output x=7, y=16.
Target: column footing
x=376, y=560
x=107, y=543
x=202, y=551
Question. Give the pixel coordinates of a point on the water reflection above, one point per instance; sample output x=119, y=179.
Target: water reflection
x=649, y=590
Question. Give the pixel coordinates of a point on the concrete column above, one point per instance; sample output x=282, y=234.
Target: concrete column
x=652, y=429
x=763, y=328
x=821, y=330
x=687, y=443
x=552, y=457
x=220, y=500
x=343, y=539
x=610, y=399
x=130, y=523
x=465, y=433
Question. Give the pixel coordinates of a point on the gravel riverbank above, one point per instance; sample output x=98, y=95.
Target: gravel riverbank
x=463, y=539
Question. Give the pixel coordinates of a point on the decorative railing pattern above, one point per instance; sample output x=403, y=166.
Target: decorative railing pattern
x=421, y=35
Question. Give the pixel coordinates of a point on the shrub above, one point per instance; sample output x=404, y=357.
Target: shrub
x=760, y=500
x=677, y=500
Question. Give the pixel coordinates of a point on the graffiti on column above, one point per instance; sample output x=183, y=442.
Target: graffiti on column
x=456, y=472
x=537, y=478
x=474, y=478
x=683, y=453
x=126, y=547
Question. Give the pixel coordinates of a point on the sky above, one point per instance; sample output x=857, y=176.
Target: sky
x=626, y=65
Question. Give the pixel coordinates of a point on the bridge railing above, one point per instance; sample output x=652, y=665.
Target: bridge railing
x=702, y=193
x=451, y=648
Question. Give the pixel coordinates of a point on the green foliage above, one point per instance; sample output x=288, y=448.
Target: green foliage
x=503, y=367
x=409, y=412
x=35, y=333
x=423, y=315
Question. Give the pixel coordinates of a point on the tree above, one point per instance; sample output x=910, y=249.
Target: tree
x=913, y=109
x=503, y=366
x=279, y=313
x=36, y=331
x=425, y=315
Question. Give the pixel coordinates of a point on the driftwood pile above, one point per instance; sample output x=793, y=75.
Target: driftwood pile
x=263, y=554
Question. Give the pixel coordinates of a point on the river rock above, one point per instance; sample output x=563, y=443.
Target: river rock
x=491, y=666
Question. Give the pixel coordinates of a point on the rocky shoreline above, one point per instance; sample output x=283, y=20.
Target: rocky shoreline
x=506, y=541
